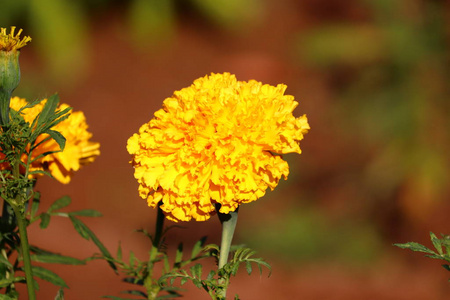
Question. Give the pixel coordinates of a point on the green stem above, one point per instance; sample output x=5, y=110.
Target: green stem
x=22, y=223
x=153, y=286
x=228, y=226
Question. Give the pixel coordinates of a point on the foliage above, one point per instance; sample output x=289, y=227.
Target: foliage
x=11, y=267
x=218, y=281
x=390, y=73
x=142, y=274
x=61, y=26
x=441, y=245
x=18, y=140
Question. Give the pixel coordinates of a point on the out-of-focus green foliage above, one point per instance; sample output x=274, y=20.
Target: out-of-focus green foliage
x=231, y=13
x=394, y=97
x=306, y=234
x=60, y=28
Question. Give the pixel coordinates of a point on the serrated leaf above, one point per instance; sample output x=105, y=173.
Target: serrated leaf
x=196, y=271
x=436, y=243
x=86, y=213
x=45, y=220
x=198, y=246
x=60, y=203
x=183, y=280
x=49, y=276
x=248, y=267
x=413, y=246
x=56, y=259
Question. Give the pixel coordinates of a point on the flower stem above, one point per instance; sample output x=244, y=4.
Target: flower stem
x=228, y=226
x=152, y=286
x=22, y=224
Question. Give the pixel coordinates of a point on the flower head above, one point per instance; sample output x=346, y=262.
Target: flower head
x=12, y=41
x=216, y=141
x=78, y=149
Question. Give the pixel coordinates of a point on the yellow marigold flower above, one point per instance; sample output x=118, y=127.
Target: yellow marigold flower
x=78, y=150
x=215, y=142
x=12, y=41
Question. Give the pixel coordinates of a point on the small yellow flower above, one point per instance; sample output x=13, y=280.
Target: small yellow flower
x=12, y=41
x=215, y=142
x=78, y=150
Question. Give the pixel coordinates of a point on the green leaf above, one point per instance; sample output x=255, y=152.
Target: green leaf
x=86, y=213
x=196, y=271
x=45, y=220
x=60, y=203
x=179, y=254
x=48, y=110
x=413, y=246
x=9, y=281
x=436, y=243
x=56, y=259
x=5, y=261
x=447, y=267
x=248, y=267
x=88, y=234
x=49, y=276
x=79, y=227
x=58, y=137
x=135, y=292
x=117, y=298
x=60, y=295
x=35, y=204
x=119, y=252
x=4, y=297
x=198, y=247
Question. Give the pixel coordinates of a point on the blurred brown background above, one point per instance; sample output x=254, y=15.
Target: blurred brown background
x=372, y=77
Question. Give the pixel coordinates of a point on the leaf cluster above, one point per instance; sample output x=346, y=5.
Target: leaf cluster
x=141, y=273
x=216, y=282
x=18, y=139
x=11, y=268
x=441, y=245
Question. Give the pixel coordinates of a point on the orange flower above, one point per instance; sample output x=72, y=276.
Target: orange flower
x=215, y=142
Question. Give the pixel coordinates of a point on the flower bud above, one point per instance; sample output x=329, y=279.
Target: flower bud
x=9, y=68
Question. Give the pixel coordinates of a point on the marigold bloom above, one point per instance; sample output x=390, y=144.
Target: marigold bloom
x=215, y=142
x=78, y=150
x=12, y=41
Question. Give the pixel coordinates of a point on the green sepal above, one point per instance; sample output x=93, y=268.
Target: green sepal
x=49, y=276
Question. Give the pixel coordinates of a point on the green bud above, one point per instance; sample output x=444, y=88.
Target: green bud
x=9, y=80
x=9, y=68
